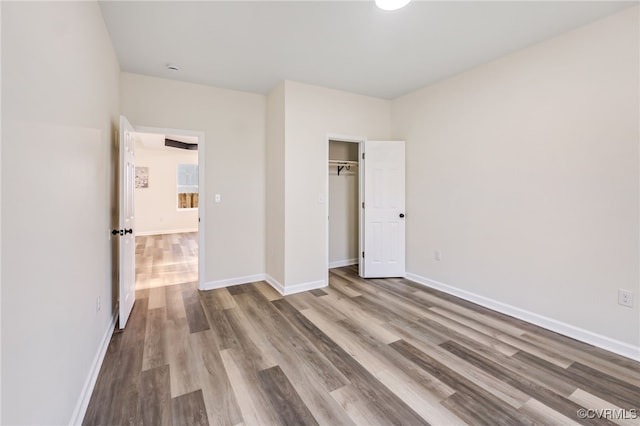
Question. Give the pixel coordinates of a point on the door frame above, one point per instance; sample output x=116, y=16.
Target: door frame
x=360, y=140
x=201, y=185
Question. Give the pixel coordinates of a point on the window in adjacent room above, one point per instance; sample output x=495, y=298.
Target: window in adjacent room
x=187, y=186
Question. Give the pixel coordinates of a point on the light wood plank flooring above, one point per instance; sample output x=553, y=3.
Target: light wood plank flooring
x=366, y=352
x=166, y=259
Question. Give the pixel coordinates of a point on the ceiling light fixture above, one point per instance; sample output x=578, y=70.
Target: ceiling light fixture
x=391, y=4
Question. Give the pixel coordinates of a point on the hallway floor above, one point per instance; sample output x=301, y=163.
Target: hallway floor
x=166, y=259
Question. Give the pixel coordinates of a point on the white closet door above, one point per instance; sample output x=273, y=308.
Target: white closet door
x=384, y=209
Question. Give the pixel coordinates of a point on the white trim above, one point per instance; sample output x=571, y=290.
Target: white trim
x=361, y=167
x=85, y=395
x=166, y=231
x=274, y=283
x=344, y=138
x=341, y=263
x=294, y=288
x=285, y=291
x=299, y=288
x=326, y=213
x=586, y=336
x=228, y=282
x=201, y=209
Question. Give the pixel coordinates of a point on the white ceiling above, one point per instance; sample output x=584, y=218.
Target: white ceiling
x=352, y=46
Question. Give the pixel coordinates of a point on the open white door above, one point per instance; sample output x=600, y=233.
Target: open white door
x=127, y=243
x=384, y=196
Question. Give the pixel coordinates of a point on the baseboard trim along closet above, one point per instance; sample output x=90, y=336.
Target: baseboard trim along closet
x=228, y=282
x=290, y=289
x=586, y=336
x=294, y=288
x=274, y=283
x=341, y=263
x=85, y=395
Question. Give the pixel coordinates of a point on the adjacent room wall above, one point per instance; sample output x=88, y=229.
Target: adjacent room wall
x=234, y=126
x=524, y=174
x=59, y=119
x=275, y=169
x=156, y=209
x=343, y=206
x=311, y=114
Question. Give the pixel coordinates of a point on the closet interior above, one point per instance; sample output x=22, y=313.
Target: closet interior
x=343, y=203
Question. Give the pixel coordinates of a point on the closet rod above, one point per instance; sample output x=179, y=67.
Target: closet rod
x=341, y=164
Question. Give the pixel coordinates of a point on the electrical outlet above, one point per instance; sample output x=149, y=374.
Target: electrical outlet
x=625, y=298
x=437, y=256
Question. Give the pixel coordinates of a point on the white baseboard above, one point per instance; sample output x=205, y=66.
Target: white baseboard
x=586, y=336
x=212, y=285
x=167, y=231
x=341, y=263
x=285, y=291
x=274, y=283
x=294, y=288
x=85, y=395
x=299, y=288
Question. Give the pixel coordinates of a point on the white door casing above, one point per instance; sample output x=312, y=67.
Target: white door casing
x=127, y=244
x=384, y=209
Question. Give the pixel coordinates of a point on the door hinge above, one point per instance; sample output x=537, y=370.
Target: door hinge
x=363, y=204
x=363, y=155
x=363, y=255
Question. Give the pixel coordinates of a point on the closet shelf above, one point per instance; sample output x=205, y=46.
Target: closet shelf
x=341, y=164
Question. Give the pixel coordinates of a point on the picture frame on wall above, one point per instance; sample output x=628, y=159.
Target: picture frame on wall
x=142, y=177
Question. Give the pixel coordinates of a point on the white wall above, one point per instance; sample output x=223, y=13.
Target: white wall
x=275, y=229
x=156, y=209
x=524, y=173
x=234, y=126
x=343, y=206
x=60, y=108
x=311, y=113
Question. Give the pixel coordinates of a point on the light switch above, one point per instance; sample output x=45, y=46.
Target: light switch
x=217, y=198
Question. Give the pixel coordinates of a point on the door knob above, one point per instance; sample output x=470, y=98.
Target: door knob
x=128, y=231
x=401, y=215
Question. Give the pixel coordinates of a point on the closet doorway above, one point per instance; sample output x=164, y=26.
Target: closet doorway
x=343, y=206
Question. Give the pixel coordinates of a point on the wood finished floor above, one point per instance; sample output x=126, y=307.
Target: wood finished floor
x=366, y=352
x=166, y=259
